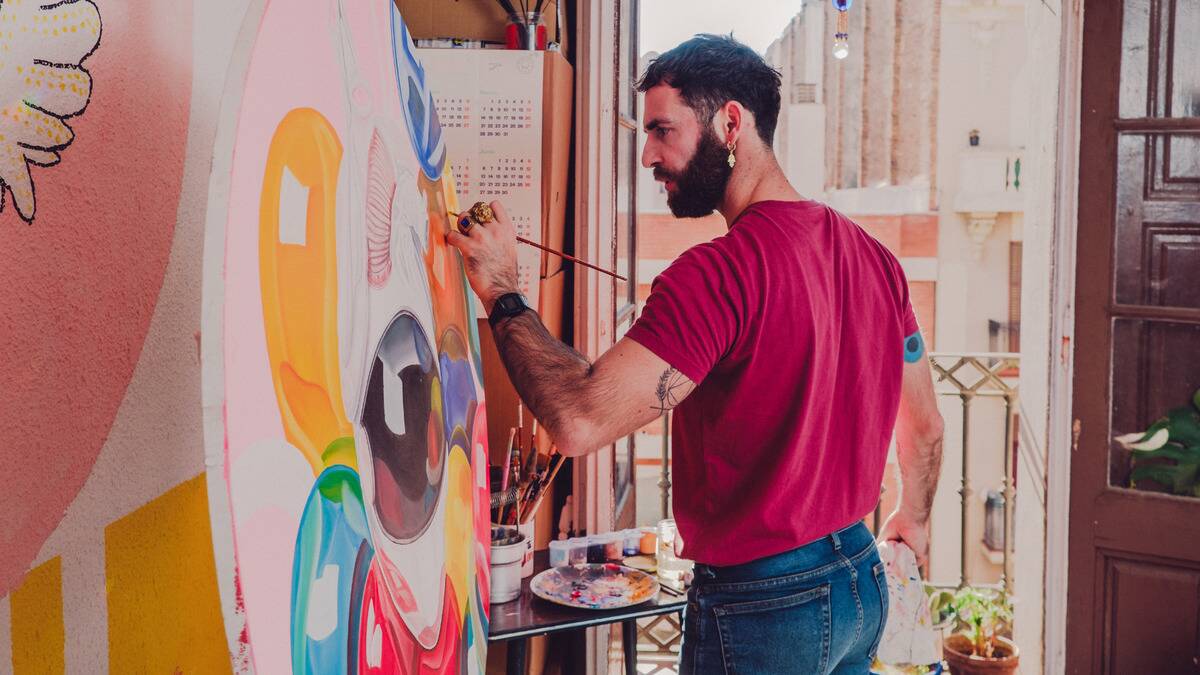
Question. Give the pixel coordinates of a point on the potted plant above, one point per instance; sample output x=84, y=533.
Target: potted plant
x=977, y=646
x=941, y=614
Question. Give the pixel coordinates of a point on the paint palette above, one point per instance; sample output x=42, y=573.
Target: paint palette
x=607, y=586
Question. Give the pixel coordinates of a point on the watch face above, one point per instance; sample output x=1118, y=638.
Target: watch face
x=512, y=303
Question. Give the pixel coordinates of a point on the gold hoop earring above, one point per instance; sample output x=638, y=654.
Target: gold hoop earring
x=732, y=160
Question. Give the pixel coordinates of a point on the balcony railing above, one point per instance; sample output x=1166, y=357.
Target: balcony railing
x=969, y=378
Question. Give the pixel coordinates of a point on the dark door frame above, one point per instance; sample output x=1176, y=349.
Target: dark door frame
x=1103, y=519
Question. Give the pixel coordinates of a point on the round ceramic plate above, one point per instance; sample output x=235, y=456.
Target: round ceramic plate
x=607, y=586
x=644, y=563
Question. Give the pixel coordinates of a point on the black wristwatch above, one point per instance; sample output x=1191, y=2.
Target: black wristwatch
x=507, y=306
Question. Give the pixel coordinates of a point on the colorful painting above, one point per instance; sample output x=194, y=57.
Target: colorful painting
x=42, y=83
x=106, y=546
x=595, y=586
x=354, y=440
x=242, y=402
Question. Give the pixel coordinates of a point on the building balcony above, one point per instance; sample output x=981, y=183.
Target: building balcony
x=990, y=181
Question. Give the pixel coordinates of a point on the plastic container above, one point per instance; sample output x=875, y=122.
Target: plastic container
x=649, y=542
x=559, y=553
x=631, y=542
x=577, y=551
x=612, y=547
x=595, y=548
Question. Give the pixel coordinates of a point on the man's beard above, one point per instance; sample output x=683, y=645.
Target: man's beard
x=701, y=186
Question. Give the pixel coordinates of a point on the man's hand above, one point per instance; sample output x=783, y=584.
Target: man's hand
x=490, y=253
x=904, y=528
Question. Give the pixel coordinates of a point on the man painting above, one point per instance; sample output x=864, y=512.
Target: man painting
x=788, y=350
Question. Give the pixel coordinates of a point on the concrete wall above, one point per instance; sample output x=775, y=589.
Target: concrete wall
x=1040, y=347
x=240, y=208
x=983, y=50
x=106, y=558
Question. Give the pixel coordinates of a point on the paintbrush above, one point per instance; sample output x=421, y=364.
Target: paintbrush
x=476, y=215
x=508, y=7
x=542, y=493
x=521, y=431
x=531, y=467
x=537, y=478
x=512, y=432
x=523, y=495
x=509, y=470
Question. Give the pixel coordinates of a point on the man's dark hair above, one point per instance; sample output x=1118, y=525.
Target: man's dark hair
x=711, y=70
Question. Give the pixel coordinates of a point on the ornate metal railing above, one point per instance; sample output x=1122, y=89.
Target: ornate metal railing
x=970, y=377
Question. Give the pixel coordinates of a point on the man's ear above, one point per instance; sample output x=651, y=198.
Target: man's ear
x=730, y=122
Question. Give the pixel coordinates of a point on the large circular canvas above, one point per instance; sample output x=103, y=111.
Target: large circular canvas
x=354, y=426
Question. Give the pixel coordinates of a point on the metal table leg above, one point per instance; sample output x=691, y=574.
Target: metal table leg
x=629, y=645
x=516, y=656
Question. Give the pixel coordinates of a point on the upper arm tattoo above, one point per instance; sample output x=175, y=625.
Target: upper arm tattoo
x=914, y=347
x=673, y=387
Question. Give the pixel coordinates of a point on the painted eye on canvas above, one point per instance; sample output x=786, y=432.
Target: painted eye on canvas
x=402, y=417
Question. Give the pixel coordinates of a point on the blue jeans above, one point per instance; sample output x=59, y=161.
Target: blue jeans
x=819, y=608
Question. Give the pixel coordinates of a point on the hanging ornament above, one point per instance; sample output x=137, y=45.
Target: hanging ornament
x=841, y=39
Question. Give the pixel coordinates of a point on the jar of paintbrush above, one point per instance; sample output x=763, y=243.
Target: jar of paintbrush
x=525, y=477
x=525, y=28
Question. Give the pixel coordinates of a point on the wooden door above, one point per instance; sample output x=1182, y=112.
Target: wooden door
x=1133, y=592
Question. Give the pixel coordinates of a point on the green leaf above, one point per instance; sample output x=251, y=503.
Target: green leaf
x=1179, y=478
x=1154, y=441
x=1196, y=399
x=1184, y=425
x=1173, y=451
x=1185, y=477
x=1159, y=473
x=1129, y=439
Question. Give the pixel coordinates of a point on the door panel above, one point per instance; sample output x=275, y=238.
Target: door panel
x=1134, y=550
x=1145, y=599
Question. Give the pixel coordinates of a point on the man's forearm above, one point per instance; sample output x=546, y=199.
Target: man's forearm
x=920, y=467
x=552, y=378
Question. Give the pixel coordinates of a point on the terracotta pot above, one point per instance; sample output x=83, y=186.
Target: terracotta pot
x=958, y=655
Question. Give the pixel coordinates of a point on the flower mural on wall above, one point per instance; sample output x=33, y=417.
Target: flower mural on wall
x=42, y=84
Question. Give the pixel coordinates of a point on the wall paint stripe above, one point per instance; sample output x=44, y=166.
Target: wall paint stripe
x=38, y=635
x=164, y=614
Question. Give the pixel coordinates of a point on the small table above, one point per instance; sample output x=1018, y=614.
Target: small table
x=529, y=616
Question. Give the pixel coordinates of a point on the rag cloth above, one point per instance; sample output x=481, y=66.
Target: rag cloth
x=909, y=637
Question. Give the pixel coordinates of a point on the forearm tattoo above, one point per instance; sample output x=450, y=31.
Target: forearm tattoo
x=552, y=378
x=673, y=386
x=560, y=386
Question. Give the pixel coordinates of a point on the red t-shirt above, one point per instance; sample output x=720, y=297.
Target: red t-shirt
x=793, y=326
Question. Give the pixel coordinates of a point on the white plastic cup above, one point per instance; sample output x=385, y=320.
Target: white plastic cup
x=559, y=553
